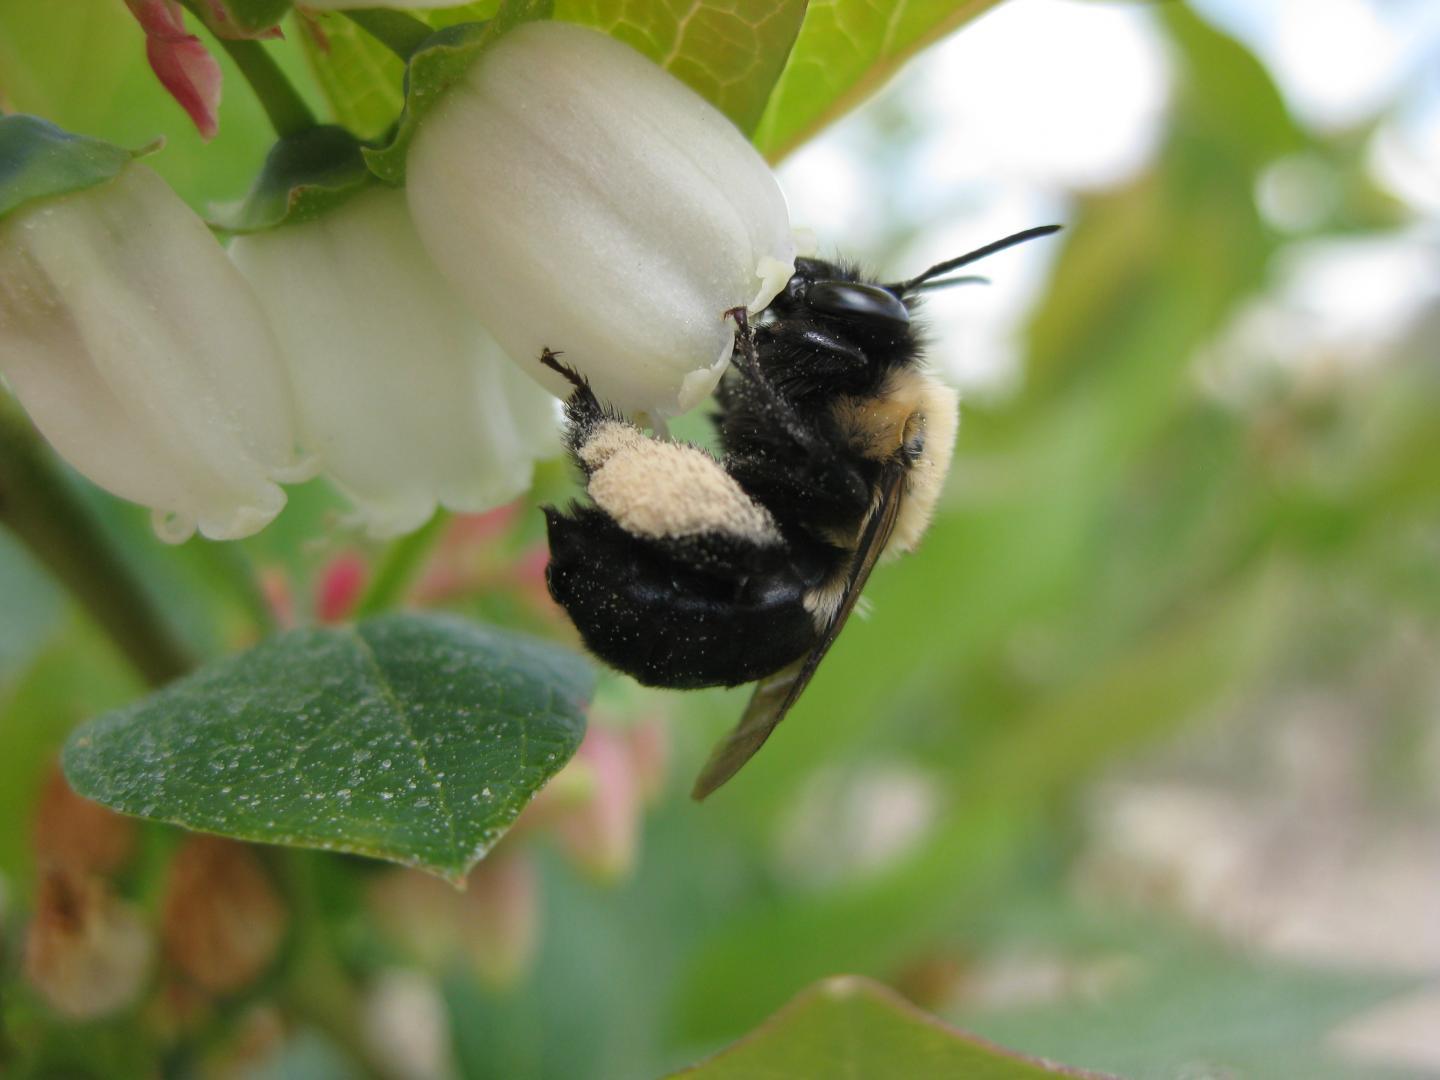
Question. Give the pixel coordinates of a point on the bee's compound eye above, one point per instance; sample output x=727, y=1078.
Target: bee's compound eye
x=856, y=298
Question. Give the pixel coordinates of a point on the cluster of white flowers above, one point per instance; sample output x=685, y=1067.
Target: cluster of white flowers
x=566, y=194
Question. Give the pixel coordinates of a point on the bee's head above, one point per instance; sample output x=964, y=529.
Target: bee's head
x=848, y=332
x=835, y=295
x=869, y=311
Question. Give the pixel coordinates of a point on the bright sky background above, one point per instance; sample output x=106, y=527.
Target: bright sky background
x=1042, y=97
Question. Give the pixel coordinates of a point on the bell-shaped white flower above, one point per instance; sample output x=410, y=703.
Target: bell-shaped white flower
x=143, y=357
x=401, y=394
x=581, y=198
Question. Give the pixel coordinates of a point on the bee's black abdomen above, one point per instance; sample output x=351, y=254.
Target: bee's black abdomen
x=714, y=611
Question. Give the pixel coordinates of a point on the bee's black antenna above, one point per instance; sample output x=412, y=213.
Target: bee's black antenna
x=918, y=284
x=945, y=283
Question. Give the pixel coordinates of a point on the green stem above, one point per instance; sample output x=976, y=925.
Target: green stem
x=316, y=988
x=400, y=33
x=288, y=113
x=400, y=564
x=38, y=505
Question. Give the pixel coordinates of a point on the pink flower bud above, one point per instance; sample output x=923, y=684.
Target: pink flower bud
x=180, y=61
x=341, y=583
x=602, y=833
x=500, y=918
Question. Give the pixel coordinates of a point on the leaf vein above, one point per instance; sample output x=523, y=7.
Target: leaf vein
x=373, y=660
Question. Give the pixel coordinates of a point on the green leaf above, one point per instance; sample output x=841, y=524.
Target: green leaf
x=413, y=738
x=846, y=49
x=1041, y=753
x=361, y=79
x=849, y=1026
x=731, y=52
x=436, y=66
x=304, y=175
x=1187, y=1005
x=39, y=160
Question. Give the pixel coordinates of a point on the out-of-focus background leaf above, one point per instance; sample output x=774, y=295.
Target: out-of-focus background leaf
x=1134, y=765
x=847, y=1026
x=846, y=50
x=731, y=52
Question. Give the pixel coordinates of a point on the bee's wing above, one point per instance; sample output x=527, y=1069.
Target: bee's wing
x=775, y=694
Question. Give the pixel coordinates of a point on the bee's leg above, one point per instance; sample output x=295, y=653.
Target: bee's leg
x=585, y=416
x=778, y=458
x=745, y=356
x=551, y=359
x=760, y=393
x=582, y=408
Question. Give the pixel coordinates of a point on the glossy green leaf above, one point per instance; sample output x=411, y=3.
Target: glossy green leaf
x=436, y=66
x=849, y=1026
x=304, y=175
x=412, y=738
x=846, y=49
x=731, y=52
x=39, y=160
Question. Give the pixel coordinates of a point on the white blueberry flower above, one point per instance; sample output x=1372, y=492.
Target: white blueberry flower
x=581, y=198
x=142, y=356
x=401, y=394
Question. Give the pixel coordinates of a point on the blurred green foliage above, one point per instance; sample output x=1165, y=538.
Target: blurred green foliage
x=1121, y=555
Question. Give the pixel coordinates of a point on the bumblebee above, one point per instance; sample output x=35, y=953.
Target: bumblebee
x=684, y=570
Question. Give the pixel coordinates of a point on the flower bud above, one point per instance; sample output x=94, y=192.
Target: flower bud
x=340, y=588
x=223, y=920
x=403, y=397
x=495, y=922
x=582, y=199
x=142, y=356
x=77, y=833
x=86, y=952
x=181, y=62
x=406, y=1024
x=602, y=834
x=500, y=919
